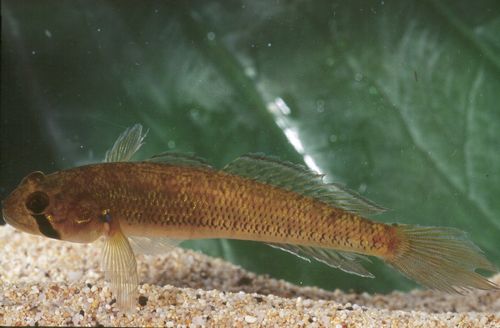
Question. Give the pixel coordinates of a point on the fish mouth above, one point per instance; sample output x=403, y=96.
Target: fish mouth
x=6, y=218
x=19, y=225
x=9, y=221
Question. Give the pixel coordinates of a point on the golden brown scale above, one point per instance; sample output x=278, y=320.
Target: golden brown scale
x=151, y=199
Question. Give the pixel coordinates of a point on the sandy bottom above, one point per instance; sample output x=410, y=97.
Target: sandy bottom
x=45, y=282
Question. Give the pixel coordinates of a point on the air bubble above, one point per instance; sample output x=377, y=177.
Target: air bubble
x=320, y=105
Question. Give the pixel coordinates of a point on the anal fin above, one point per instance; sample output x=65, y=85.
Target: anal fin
x=153, y=245
x=345, y=261
x=120, y=267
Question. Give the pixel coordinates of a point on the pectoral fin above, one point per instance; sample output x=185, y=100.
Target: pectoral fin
x=120, y=267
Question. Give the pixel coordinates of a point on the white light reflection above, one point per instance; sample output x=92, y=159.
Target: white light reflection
x=311, y=163
x=293, y=137
x=280, y=111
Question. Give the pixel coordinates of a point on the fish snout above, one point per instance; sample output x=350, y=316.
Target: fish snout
x=16, y=215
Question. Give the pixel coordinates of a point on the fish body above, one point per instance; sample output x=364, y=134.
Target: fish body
x=184, y=202
x=156, y=203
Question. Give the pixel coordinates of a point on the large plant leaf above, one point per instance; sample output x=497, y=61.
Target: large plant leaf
x=398, y=100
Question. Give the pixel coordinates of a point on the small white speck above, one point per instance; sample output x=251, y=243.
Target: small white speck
x=358, y=77
x=33, y=52
x=320, y=105
x=269, y=44
x=250, y=319
x=98, y=29
x=211, y=36
x=48, y=34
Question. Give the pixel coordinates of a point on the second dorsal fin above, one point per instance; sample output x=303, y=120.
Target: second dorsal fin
x=299, y=179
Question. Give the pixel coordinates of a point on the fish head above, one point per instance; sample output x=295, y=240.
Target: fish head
x=52, y=206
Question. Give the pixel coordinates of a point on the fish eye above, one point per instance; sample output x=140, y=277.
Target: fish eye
x=37, y=202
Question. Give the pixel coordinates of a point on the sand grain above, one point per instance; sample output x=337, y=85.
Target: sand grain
x=46, y=282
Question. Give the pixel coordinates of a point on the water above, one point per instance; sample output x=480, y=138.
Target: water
x=332, y=86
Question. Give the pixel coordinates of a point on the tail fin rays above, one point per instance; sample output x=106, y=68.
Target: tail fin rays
x=440, y=258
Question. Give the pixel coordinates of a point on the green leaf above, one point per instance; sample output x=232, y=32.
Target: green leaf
x=398, y=100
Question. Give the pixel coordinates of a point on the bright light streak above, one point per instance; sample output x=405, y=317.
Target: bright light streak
x=281, y=111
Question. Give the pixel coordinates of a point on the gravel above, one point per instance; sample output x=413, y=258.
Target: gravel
x=47, y=282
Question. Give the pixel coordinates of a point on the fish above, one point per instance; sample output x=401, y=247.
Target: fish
x=152, y=205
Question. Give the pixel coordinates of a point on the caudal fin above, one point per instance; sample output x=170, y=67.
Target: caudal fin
x=440, y=258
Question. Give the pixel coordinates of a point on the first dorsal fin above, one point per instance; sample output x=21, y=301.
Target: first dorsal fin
x=299, y=179
x=348, y=262
x=127, y=144
x=182, y=159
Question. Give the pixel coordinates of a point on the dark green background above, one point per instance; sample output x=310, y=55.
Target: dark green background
x=399, y=100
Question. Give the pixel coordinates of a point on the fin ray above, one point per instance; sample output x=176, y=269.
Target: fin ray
x=153, y=245
x=127, y=144
x=120, y=268
x=299, y=179
x=182, y=159
x=440, y=258
x=345, y=261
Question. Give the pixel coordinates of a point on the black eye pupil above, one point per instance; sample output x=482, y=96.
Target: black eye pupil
x=37, y=202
